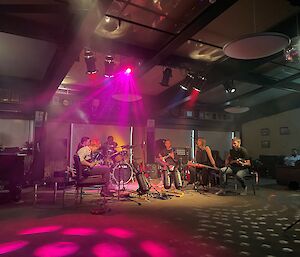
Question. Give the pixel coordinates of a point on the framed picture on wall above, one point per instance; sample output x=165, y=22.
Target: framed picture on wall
x=284, y=131
x=265, y=144
x=264, y=132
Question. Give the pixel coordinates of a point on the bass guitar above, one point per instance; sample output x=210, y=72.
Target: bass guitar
x=200, y=165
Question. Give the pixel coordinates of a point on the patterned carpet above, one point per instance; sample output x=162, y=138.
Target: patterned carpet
x=193, y=225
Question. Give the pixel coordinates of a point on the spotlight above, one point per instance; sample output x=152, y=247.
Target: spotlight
x=109, y=66
x=167, y=74
x=128, y=71
x=229, y=88
x=192, y=81
x=183, y=87
x=90, y=61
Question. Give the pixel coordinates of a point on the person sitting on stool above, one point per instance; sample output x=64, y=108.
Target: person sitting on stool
x=204, y=156
x=92, y=168
x=237, y=163
x=166, y=159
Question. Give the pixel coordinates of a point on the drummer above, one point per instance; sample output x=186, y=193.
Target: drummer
x=110, y=146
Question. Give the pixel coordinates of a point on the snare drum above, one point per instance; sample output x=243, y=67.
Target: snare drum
x=122, y=173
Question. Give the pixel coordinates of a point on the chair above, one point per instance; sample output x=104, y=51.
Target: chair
x=51, y=186
x=81, y=181
x=251, y=177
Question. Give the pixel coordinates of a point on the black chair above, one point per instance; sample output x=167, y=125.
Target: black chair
x=251, y=178
x=82, y=181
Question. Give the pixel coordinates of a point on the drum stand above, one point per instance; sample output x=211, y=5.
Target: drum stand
x=123, y=189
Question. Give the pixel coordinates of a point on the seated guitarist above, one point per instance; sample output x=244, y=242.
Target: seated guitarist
x=203, y=156
x=92, y=168
x=237, y=162
x=166, y=157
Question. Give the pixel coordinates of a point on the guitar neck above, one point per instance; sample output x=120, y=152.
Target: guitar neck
x=200, y=165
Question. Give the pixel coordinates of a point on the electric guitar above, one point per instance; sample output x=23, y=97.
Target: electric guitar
x=200, y=165
x=170, y=166
x=239, y=161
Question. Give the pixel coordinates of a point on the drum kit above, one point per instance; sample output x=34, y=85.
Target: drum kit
x=121, y=169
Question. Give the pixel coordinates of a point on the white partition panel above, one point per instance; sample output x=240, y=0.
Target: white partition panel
x=101, y=132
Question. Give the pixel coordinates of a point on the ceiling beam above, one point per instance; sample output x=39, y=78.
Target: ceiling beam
x=33, y=8
x=65, y=57
x=200, y=22
x=281, y=104
x=20, y=26
x=109, y=46
x=267, y=83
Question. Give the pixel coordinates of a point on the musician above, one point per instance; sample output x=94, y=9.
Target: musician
x=85, y=156
x=83, y=142
x=110, y=146
x=237, y=162
x=170, y=174
x=166, y=157
x=203, y=155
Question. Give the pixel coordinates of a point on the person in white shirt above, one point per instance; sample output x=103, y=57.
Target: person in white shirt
x=92, y=167
x=292, y=159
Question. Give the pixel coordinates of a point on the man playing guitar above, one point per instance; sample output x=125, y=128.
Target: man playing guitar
x=166, y=158
x=92, y=167
x=237, y=162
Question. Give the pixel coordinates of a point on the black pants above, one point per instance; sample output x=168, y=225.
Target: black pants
x=199, y=175
x=103, y=175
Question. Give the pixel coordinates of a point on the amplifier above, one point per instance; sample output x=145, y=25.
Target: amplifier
x=182, y=154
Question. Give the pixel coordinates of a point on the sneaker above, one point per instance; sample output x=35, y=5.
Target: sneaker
x=221, y=192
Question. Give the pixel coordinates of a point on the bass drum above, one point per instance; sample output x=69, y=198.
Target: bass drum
x=122, y=173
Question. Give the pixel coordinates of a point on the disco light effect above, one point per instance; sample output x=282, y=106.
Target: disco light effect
x=12, y=246
x=59, y=249
x=39, y=230
x=154, y=249
x=110, y=249
x=79, y=231
x=119, y=232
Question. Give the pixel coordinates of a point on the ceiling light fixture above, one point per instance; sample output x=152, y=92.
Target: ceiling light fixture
x=256, y=45
x=192, y=81
x=237, y=109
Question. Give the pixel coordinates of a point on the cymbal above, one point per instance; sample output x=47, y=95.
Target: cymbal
x=127, y=146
